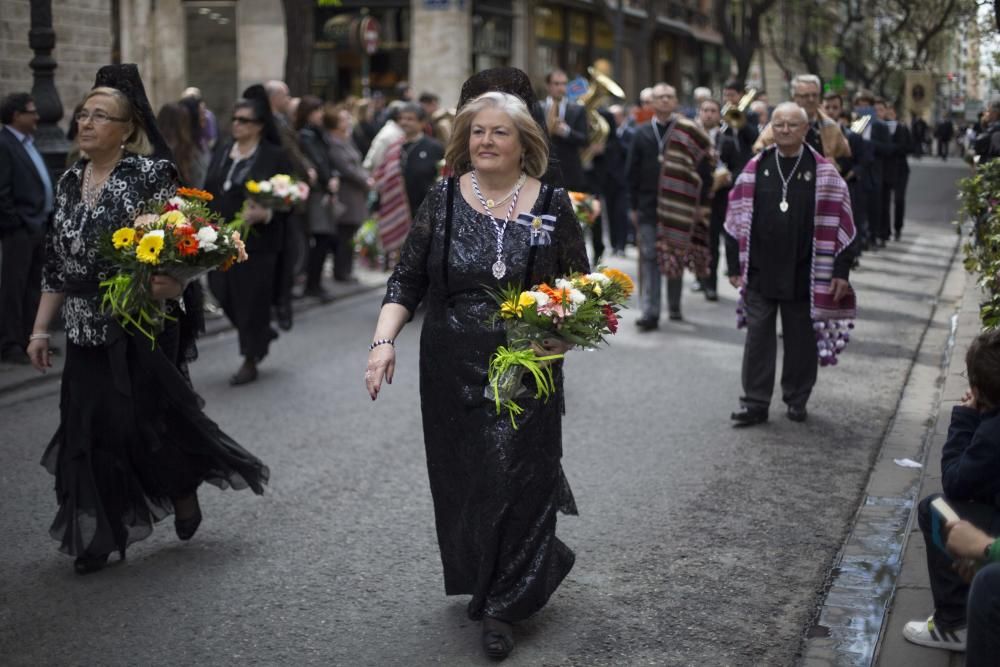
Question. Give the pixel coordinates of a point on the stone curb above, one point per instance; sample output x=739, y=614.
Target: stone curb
x=862, y=583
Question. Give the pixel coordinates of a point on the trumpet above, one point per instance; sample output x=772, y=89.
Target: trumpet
x=860, y=124
x=735, y=115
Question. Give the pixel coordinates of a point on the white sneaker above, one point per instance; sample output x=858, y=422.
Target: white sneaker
x=925, y=633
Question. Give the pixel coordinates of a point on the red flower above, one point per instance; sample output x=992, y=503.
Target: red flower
x=171, y=207
x=611, y=318
x=187, y=245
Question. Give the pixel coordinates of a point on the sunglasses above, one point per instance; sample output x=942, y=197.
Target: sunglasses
x=244, y=119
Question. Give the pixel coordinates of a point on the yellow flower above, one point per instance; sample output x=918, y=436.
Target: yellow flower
x=253, y=187
x=123, y=238
x=171, y=218
x=149, y=249
x=510, y=309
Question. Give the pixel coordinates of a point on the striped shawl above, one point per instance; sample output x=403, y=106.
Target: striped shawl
x=682, y=230
x=833, y=232
x=394, y=217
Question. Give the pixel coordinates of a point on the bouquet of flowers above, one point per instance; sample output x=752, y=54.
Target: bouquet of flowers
x=587, y=207
x=580, y=309
x=183, y=240
x=367, y=245
x=281, y=192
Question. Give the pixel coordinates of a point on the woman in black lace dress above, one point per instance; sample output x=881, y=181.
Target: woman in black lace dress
x=133, y=444
x=496, y=489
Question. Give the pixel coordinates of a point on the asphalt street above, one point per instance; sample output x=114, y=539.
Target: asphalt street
x=696, y=544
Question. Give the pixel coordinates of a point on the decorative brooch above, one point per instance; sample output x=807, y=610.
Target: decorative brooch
x=540, y=226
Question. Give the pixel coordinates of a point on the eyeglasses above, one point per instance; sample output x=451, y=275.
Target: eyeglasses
x=244, y=119
x=786, y=126
x=98, y=118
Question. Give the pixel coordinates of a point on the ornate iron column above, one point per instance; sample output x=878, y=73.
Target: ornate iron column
x=49, y=138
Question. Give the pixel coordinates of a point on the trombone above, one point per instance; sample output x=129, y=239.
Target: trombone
x=735, y=115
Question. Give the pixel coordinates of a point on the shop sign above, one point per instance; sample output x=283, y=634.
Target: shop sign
x=369, y=31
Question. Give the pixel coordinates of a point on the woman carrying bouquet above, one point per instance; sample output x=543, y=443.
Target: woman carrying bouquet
x=252, y=153
x=496, y=488
x=133, y=444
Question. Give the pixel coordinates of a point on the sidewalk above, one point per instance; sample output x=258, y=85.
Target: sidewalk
x=880, y=581
x=15, y=377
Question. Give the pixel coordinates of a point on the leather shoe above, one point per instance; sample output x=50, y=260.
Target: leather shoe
x=188, y=526
x=647, y=324
x=675, y=316
x=711, y=294
x=284, y=313
x=747, y=416
x=497, y=637
x=797, y=413
x=246, y=374
x=87, y=564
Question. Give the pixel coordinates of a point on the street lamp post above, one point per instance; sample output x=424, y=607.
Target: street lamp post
x=49, y=138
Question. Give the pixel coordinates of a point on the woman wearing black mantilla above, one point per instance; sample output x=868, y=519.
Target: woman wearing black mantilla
x=496, y=489
x=133, y=444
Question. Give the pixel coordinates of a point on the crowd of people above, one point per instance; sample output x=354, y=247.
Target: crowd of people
x=791, y=194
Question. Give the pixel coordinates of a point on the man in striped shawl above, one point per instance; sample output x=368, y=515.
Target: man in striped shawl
x=790, y=250
x=669, y=160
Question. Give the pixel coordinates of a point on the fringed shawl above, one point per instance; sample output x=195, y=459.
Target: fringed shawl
x=394, y=217
x=833, y=232
x=682, y=231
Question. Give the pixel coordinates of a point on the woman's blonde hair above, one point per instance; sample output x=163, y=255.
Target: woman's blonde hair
x=535, y=160
x=137, y=140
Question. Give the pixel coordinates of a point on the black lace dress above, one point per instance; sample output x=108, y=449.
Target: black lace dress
x=496, y=490
x=131, y=434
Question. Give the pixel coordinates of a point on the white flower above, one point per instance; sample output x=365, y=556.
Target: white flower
x=206, y=238
x=177, y=201
x=265, y=186
x=541, y=298
x=598, y=278
x=576, y=297
x=155, y=232
x=562, y=283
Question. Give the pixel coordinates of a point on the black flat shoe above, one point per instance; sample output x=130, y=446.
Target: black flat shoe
x=711, y=294
x=746, y=416
x=675, y=316
x=186, y=528
x=245, y=375
x=88, y=564
x=498, y=638
x=797, y=414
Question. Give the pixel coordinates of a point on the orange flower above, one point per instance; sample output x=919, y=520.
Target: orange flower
x=187, y=245
x=578, y=197
x=557, y=296
x=621, y=279
x=195, y=193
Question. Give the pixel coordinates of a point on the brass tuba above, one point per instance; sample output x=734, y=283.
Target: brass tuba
x=601, y=85
x=735, y=115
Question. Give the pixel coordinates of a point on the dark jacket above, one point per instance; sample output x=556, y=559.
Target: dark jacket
x=608, y=168
x=897, y=169
x=643, y=173
x=970, y=460
x=564, y=153
x=419, y=162
x=267, y=161
x=346, y=159
x=322, y=209
x=22, y=193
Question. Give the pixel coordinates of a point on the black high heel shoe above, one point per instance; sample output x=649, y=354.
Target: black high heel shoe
x=87, y=563
x=186, y=528
x=498, y=638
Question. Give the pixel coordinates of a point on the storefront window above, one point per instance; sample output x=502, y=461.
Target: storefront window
x=491, y=41
x=211, y=53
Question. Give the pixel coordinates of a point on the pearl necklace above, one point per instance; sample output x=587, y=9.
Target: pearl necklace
x=499, y=268
x=92, y=192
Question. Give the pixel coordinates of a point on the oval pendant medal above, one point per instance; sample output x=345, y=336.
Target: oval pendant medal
x=783, y=206
x=499, y=269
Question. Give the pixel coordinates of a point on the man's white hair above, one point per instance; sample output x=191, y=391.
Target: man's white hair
x=790, y=107
x=811, y=79
x=646, y=94
x=702, y=93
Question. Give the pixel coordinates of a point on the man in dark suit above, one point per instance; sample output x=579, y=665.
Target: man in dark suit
x=26, y=204
x=615, y=182
x=897, y=170
x=715, y=191
x=567, y=127
x=879, y=143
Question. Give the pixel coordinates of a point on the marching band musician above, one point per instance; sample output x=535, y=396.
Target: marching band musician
x=824, y=133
